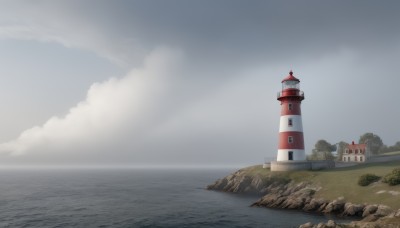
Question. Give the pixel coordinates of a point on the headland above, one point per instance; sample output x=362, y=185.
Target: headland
x=333, y=191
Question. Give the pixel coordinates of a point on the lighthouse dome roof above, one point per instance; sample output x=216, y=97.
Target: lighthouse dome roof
x=290, y=77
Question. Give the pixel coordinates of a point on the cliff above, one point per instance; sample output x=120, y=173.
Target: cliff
x=302, y=191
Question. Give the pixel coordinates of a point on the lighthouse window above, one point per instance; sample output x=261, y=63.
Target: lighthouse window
x=290, y=139
x=290, y=106
x=290, y=122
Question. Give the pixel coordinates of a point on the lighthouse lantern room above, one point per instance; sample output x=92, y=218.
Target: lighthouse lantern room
x=291, y=139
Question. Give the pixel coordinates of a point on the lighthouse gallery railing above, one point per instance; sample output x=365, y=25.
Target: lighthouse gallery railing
x=290, y=93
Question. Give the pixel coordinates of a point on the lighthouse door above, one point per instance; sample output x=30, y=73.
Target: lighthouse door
x=290, y=155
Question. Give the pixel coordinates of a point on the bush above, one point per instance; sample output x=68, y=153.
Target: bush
x=392, y=178
x=367, y=179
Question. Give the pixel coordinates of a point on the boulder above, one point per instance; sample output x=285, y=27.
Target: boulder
x=314, y=205
x=353, y=209
x=331, y=224
x=335, y=206
x=397, y=214
x=383, y=210
x=293, y=203
x=369, y=209
x=271, y=200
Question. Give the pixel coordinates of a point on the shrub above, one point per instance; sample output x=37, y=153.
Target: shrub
x=367, y=179
x=392, y=178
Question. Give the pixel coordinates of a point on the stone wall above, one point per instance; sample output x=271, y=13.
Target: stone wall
x=383, y=158
x=301, y=165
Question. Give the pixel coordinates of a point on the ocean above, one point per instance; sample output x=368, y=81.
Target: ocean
x=131, y=198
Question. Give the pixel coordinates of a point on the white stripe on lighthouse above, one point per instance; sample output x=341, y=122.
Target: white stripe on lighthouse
x=298, y=155
x=297, y=124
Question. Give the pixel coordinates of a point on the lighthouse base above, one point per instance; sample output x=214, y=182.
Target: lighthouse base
x=301, y=165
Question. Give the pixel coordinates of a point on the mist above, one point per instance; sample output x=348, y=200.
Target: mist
x=154, y=83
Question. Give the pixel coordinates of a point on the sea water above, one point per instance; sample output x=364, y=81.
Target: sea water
x=131, y=198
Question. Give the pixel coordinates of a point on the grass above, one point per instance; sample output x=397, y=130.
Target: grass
x=339, y=182
x=343, y=182
x=392, y=153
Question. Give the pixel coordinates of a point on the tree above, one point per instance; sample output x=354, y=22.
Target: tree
x=373, y=141
x=394, y=148
x=322, y=151
x=323, y=146
x=341, y=147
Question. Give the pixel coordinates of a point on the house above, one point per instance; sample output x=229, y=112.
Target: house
x=356, y=153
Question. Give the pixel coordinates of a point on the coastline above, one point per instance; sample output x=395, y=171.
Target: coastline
x=279, y=190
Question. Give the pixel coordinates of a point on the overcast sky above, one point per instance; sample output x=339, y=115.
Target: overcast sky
x=190, y=82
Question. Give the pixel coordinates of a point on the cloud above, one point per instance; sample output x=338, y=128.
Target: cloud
x=109, y=107
x=53, y=22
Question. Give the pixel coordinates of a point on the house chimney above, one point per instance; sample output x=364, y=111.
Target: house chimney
x=352, y=143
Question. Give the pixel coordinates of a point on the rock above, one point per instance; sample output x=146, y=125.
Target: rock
x=307, y=225
x=353, y=209
x=383, y=210
x=369, y=209
x=294, y=189
x=331, y=224
x=323, y=206
x=321, y=225
x=313, y=205
x=257, y=183
x=241, y=184
x=335, y=206
x=370, y=218
x=218, y=185
x=293, y=203
x=298, y=199
x=397, y=214
x=271, y=200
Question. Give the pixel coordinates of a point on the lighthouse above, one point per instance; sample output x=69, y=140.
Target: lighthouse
x=291, y=154
x=291, y=139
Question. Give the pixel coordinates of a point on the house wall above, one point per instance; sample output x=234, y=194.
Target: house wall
x=353, y=157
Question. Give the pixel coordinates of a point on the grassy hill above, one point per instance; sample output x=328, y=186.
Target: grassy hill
x=343, y=182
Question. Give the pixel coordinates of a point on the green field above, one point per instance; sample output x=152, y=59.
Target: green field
x=392, y=153
x=339, y=182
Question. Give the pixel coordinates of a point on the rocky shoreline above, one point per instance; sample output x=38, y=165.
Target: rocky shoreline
x=283, y=193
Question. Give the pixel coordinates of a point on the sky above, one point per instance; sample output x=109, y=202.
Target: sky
x=190, y=83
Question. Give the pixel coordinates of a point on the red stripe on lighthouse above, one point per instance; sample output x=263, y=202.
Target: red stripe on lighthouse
x=290, y=108
x=297, y=140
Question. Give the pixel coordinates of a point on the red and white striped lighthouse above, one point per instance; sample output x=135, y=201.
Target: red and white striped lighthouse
x=291, y=139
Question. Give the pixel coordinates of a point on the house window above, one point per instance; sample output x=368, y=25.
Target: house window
x=290, y=106
x=356, y=151
x=348, y=158
x=290, y=122
x=290, y=139
x=344, y=158
x=361, y=158
x=355, y=158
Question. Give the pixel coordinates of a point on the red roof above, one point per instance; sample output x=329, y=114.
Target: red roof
x=290, y=77
x=357, y=146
